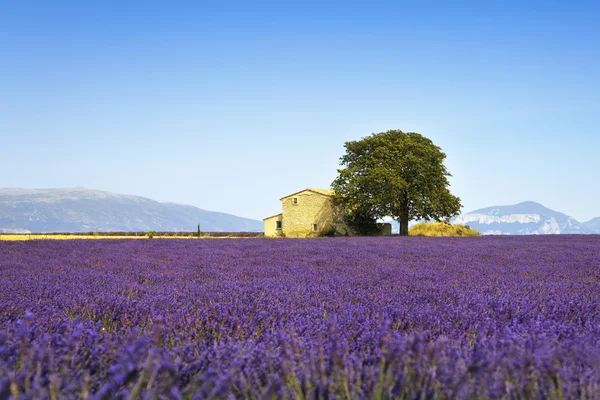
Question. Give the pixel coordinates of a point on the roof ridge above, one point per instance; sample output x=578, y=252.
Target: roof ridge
x=324, y=192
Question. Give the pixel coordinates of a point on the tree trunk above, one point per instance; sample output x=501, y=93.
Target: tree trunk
x=404, y=221
x=403, y=226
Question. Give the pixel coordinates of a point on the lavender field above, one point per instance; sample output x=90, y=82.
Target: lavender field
x=429, y=318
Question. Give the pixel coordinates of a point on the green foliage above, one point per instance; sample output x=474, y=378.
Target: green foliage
x=396, y=174
x=198, y=230
x=331, y=232
x=151, y=234
x=361, y=222
x=442, y=229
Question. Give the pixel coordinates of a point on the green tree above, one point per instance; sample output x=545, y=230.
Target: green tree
x=361, y=221
x=396, y=174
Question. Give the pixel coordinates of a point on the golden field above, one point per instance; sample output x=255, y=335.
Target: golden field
x=68, y=237
x=41, y=236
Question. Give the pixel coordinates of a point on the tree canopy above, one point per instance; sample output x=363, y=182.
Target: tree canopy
x=395, y=174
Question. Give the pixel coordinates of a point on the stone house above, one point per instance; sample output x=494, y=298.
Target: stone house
x=308, y=212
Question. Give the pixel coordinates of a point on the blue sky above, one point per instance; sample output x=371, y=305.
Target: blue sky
x=231, y=105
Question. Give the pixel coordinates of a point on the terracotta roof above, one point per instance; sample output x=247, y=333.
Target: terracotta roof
x=276, y=215
x=324, y=192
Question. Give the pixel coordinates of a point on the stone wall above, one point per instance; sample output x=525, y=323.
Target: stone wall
x=308, y=208
x=385, y=229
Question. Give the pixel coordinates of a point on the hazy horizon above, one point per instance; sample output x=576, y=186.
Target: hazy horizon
x=242, y=216
x=230, y=106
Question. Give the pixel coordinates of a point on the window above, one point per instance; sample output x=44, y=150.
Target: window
x=314, y=227
x=278, y=224
x=294, y=200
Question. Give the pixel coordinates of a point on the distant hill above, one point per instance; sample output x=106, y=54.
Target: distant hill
x=527, y=218
x=84, y=210
x=593, y=224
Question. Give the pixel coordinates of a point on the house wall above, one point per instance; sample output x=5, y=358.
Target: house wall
x=312, y=208
x=270, y=226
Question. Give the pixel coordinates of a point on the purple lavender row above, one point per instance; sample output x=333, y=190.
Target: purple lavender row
x=338, y=318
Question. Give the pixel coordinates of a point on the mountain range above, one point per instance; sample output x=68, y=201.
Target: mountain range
x=84, y=210
x=527, y=218
x=594, y=224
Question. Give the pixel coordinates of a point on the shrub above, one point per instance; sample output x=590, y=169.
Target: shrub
x=362, y=223
x=151, y=234
x=441, y=229
x=331, y=232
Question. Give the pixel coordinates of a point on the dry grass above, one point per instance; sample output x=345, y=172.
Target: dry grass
x=64, y=237
x=39, y=236
x=441, y=229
